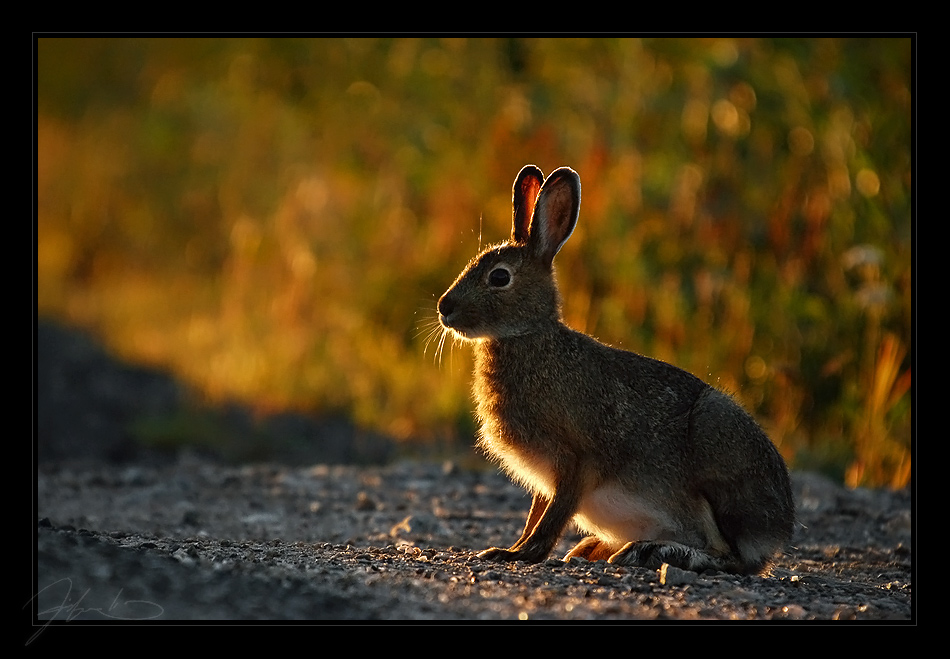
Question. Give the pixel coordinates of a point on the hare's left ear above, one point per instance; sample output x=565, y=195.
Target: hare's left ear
x=524, y=194
x=555, y=216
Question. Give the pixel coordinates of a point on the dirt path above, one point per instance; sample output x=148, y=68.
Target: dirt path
x=201, y=541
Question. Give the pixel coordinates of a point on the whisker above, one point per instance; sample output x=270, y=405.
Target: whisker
x=432, y=331
x=425, y=327
x=439, y=348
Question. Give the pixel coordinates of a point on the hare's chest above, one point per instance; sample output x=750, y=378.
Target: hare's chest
x=531, y=468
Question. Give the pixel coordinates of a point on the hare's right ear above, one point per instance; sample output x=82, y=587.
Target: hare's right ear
x=524, y=194
x=555, y=216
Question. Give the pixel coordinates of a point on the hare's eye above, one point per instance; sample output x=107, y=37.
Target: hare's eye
x=499, y=277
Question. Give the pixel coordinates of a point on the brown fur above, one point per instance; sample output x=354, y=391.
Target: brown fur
x=655, y=465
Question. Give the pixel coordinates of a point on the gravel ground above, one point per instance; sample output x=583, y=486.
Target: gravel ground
x=197, y=540
x=194, y=538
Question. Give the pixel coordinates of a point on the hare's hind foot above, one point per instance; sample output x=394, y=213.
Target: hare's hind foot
x=653, y=554
x=591, y=548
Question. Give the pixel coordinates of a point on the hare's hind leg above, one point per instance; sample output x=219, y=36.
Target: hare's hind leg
x=743, y=479
x=592, y=548
x=653, y=554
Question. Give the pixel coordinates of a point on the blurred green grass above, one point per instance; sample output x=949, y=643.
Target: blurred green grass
x=273, y=220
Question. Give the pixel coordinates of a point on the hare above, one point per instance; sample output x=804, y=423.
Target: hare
x=652, y=464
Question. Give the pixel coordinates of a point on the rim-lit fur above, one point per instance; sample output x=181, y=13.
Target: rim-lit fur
x=654, y=465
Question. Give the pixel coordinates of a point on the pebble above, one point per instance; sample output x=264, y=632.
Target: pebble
x=674, y=576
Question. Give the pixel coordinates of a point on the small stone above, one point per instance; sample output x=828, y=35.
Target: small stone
x=674, y=576
x=793, y=612
x=844, y=613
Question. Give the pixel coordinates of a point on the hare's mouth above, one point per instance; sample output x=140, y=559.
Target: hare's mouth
x=460, y=330
x=455, y=329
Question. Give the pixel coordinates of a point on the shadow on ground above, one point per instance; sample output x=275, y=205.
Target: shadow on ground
x=90, y=405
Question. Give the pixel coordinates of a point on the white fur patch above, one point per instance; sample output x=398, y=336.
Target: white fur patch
x=618, y=516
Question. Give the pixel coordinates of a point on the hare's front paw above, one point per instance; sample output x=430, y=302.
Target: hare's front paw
x=528, y=555
x=498, y=554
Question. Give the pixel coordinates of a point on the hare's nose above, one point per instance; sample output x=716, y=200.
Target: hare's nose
x=446, y=306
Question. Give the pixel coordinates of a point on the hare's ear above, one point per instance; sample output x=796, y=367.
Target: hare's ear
x=524, y=194
x=555, y=216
